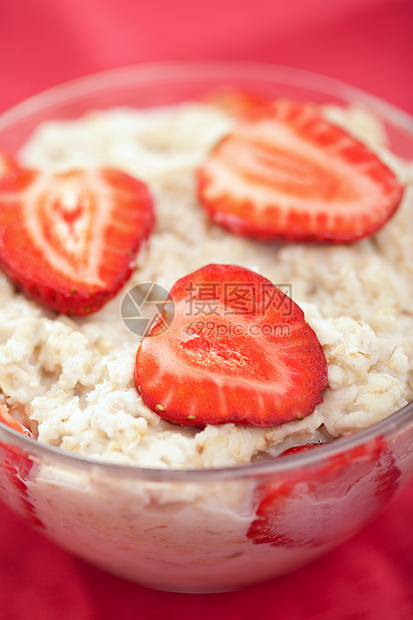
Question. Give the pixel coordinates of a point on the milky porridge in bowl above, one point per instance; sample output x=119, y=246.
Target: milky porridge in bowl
x=174, y=467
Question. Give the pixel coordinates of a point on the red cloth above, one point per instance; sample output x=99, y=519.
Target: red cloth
x=367, y=43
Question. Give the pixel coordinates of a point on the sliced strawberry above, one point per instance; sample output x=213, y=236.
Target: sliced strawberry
x=238, y=350
x=237, y=102
x=322, y=504
x=15, y=467
x=69, y=240
x=7, y=419
x=290, y=174
x=297, y=449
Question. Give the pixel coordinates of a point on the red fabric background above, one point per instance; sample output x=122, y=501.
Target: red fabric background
x=368, y=43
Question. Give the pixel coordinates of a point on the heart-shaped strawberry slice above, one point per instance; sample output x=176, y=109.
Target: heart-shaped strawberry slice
x=69, y=240
x=288, y=173
x=238, y=350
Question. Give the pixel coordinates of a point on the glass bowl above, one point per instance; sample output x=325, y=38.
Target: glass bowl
x=218, y=529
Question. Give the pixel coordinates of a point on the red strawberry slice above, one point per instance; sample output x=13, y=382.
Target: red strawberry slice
x=237, y=102
x=15, y=467
x=238, y=350
x=290, y=174
x=7, y=419
x=69, y=240
x=297, y=449
x=322, y=504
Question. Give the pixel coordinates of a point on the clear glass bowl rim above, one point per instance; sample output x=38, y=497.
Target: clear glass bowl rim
x=197, y=70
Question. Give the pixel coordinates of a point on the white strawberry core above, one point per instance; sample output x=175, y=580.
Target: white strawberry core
x=66, y=216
